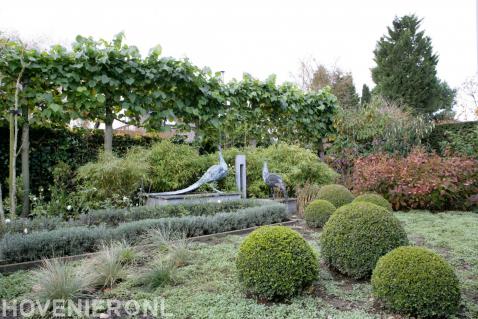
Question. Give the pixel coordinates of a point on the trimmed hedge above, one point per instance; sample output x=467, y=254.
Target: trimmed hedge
x=318, y=212
x=418, y=282
x=78, y=240
x=374, y=199
x=337, y=194
x=275, y=263
x=115, y=216
x=49, y=146
x=357, y=235
x=440, y=135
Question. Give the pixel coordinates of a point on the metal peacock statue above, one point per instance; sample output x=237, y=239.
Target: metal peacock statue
x=273, y=181
x=213, y=174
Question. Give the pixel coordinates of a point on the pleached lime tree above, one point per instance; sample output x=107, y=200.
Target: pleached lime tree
x=31, y=96
x=104, y=82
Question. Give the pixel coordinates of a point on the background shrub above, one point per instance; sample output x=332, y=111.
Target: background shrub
x=459, y=138
x=338, y=195
x=75, y=147
x=357, y=235
x=296, y=165
x=374, y=199
x=418, y=181
x=174, y=166
x=111, y=175
x=275, y=262
x=416, y=281
x=318, y=212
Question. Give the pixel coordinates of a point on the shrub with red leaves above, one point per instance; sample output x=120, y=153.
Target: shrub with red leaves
x=419, y=181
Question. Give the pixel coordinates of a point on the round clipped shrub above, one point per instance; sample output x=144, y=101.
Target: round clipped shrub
x=275, y=263
x=338, y=195
x=416, y=281
x=374, y=199
x=357, y=235
x=318, y=212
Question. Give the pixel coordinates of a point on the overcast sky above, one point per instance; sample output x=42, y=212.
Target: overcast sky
x=255, y=36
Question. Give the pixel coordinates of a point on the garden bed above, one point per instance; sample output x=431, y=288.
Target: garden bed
x=207, y=287
x=85, y=234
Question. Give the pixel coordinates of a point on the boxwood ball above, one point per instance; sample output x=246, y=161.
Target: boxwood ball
x=318, y=212
x=357, y=235
x=418, y=282
x=276, y=263
x=337, y=194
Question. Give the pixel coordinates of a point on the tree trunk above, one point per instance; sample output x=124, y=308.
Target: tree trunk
x=2, y=212
x=109, y=134
x=26, y=163
x=12, y=182
x=13, y=146
x=321, y=149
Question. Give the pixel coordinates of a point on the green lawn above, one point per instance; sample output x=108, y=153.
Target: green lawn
x=208, y=287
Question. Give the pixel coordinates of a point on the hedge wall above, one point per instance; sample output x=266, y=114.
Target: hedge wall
x=76, y=147
x=439, y=133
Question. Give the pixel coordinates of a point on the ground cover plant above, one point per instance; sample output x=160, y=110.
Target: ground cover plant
x=208, y=287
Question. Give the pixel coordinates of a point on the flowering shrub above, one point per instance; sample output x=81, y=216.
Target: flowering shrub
x=420, y=180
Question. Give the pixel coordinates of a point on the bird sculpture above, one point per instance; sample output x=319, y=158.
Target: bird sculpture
x=273, y=181
x=213, y=174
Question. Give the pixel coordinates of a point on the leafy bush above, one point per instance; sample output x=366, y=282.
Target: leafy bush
x=306, y=194
x=112, y=175
x=318, y=212
x=336, y=194
x=380, y=126
x=74, y=147
x=357, y=235
x=174, y=166
x=460, y=138
x=78, y=240
x=374, y=199
x=296, y=166
x=418, y=181
x=56, y=280
x=169, y=166
x=275, y=262
x=416, y=281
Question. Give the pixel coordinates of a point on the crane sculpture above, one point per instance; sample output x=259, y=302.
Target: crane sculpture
x=273, y=181
x=213, y=174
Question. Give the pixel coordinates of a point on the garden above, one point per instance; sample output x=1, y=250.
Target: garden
x=354, y=208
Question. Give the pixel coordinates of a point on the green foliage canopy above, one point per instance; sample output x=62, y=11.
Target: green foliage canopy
x=406, y=68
